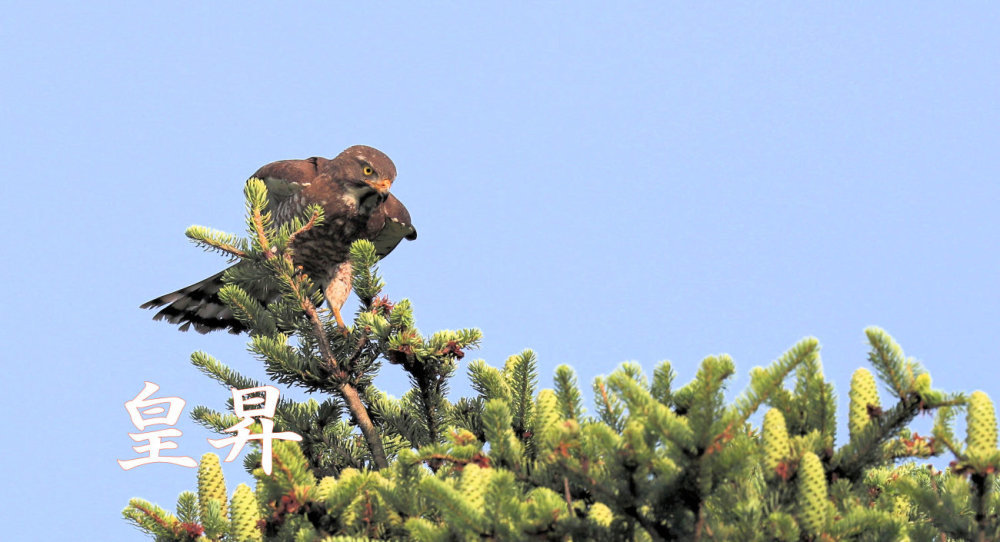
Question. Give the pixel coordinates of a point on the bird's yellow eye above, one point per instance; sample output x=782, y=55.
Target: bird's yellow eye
x=368, y=170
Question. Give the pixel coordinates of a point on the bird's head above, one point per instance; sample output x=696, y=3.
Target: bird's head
x=366, y=166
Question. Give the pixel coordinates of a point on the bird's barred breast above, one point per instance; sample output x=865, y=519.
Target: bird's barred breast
x=321, y=249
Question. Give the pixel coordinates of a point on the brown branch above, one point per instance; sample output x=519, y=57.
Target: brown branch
x=308, y=226
x=982, y=506
x=427, y=399
x=569, y=498
x=347, y=391
x=364, y=422
x=359, y=349
x=700, y=524
x=284, y=469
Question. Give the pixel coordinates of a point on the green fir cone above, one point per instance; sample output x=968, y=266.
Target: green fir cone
x=901, y=507
x=981, y=425
x=600, y=514
x=863, y=394
x=812, y=498
x=546, y=422
x=244, y=514
x=475, y=479
x=776, y=443
x=211, y=484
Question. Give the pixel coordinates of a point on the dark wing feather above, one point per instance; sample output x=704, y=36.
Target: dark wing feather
x=284, y=179
x=388, y=225
x=198, y=306
x=290, y=171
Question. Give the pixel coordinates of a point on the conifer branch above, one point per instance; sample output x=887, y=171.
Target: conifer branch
x=246, y=309
x=766, y=382
x=428, y=401
x=364, y=275
x=888, y=359
x=522, y=376
x=315, y=218
x=152, y=518
x=863, y=451
x=568, y=393
x=219, y=372
x=487, y=381
x=657, y=463
x=813, y=401
x=226, y=243
x=608, y=405
x=705, y=394
x=663, y=378
x=349, y=393
x=942, y=429
x=258, y=219
x=213, y=420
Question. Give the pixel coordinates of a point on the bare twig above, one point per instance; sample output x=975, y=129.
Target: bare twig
x=569, y=498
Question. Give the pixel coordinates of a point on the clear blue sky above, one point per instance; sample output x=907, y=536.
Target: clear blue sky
x=644, y=182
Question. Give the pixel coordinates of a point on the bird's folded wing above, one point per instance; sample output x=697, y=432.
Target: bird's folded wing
x=388, y=225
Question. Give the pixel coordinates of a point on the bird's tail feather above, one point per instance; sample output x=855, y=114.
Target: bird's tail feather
x=197, y=306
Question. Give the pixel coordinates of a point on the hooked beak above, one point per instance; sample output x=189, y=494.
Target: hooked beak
x=381, y=186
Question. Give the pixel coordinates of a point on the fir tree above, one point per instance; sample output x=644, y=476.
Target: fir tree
x=655, y=460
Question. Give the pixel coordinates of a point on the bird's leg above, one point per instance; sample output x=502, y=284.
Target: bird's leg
x=337, y=291
x=340, y=320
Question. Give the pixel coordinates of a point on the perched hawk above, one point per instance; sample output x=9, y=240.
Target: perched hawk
x=353, y=190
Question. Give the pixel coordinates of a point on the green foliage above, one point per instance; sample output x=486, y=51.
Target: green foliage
x=567, y=392
x=187, y=507
x=656, y=460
